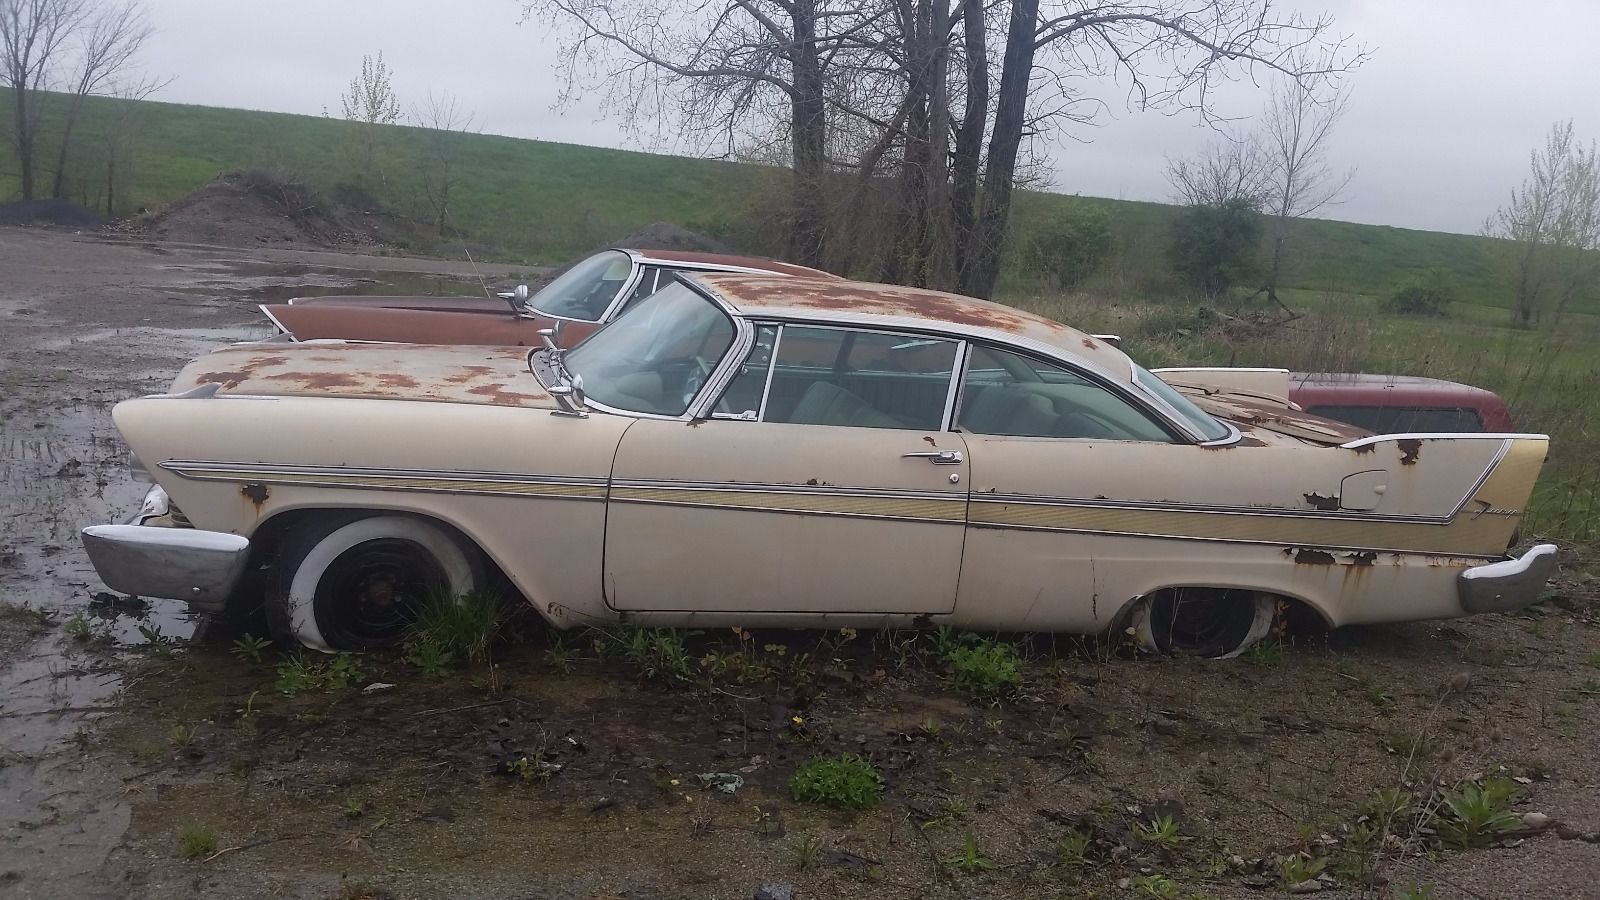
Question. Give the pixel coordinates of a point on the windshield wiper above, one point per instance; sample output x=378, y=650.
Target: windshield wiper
x=568, y=389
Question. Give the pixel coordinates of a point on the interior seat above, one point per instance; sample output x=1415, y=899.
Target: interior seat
x=828, y=404
x=1009, y=409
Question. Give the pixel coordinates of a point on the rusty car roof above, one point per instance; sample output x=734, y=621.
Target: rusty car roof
x=695, y=257
x=891, y=305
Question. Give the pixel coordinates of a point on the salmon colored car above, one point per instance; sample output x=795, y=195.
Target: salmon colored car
x=587, y=294
x=803, y=452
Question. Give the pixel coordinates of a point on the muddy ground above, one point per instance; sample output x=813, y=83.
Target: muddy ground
x=121, y=730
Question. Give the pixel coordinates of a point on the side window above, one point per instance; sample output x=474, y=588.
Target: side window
x=834, y=376
x=651, y=279
x=1005, y=393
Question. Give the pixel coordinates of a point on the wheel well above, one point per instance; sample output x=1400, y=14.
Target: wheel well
x=1299, y=615
x=268, y=537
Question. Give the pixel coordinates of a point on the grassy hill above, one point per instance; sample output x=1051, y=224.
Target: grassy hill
x=540, y=202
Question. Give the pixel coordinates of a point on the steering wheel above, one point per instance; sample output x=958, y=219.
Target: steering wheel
x=700, y=370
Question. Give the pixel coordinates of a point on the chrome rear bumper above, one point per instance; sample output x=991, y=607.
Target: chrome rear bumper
x=1508, y=584
x=201, y=567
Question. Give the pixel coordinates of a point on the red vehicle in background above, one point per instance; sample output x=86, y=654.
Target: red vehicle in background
x=1399, y=404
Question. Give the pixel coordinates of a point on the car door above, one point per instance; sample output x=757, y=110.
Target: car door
x=824, y=483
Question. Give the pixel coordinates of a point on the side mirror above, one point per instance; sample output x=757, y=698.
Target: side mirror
x=552, y=335
x=520, y=295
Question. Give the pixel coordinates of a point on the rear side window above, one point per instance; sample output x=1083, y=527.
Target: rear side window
x=1008, y=394
x=1404, y=419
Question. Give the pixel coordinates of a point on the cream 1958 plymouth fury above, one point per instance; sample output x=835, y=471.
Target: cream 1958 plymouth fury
x=758, y=450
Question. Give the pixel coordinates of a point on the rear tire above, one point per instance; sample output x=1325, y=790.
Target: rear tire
x=352, y=582
x=1211, y=622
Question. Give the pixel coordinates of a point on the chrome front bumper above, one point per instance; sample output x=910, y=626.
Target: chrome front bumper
x=201, y=567
x=1508, y=584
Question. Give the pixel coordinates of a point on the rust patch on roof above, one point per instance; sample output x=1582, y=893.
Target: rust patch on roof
x=1089, y=342
x=1410, y=451
x=397, y=381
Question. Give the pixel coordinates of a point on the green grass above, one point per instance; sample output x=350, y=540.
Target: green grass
x=843, y=782
x=196, y=839
x=542, y=202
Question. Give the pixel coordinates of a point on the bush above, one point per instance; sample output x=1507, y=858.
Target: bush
x=1428, y=294
x=1214, y=248
x=1071, y=245
x=845, y=782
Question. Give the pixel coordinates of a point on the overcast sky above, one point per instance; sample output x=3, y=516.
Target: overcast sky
x=1439, y=128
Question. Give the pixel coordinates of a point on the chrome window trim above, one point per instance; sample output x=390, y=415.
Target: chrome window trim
x=957, y=368
x=772, y=366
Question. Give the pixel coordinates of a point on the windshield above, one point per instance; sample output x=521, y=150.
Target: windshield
x=585, y=290
x=1210, y=428
x=655, y=357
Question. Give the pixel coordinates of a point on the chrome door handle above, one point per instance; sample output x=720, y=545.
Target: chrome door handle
x=937, y=457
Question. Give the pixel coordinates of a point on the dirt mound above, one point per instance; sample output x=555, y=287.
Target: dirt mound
x=48, y=213
x=248, y=209
x=667, y=236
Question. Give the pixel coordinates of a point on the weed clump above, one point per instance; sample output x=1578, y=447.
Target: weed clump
x=1475, y=814
x=843, y=782
x=197, y=839
x=301, y=675
x=986, y=669
x=449, y=628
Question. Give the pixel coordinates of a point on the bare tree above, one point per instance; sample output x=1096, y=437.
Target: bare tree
x=1225, y=170
x=108, y=40
x=728, y=68
x=886, y=79
x=1297, y=180
x=1552, y=224
x=372, y=103
x=32, y=36
x=444, y=120
x=119, y=131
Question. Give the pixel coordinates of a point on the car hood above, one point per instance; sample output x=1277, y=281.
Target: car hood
x=366, y=301
x=1252, y=415
x=496, y=376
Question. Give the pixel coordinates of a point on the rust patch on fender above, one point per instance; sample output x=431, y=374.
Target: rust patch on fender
x=256, y=493
x=1306, y=557
x=1410, y=451
x=1327, y=504
x=469, y=373
x=1366, y=448
x=226, y=379
x=497, y=393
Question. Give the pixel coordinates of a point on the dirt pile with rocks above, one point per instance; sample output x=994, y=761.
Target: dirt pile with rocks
x=49, y=214
x=667, y=236
x=250, y=209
